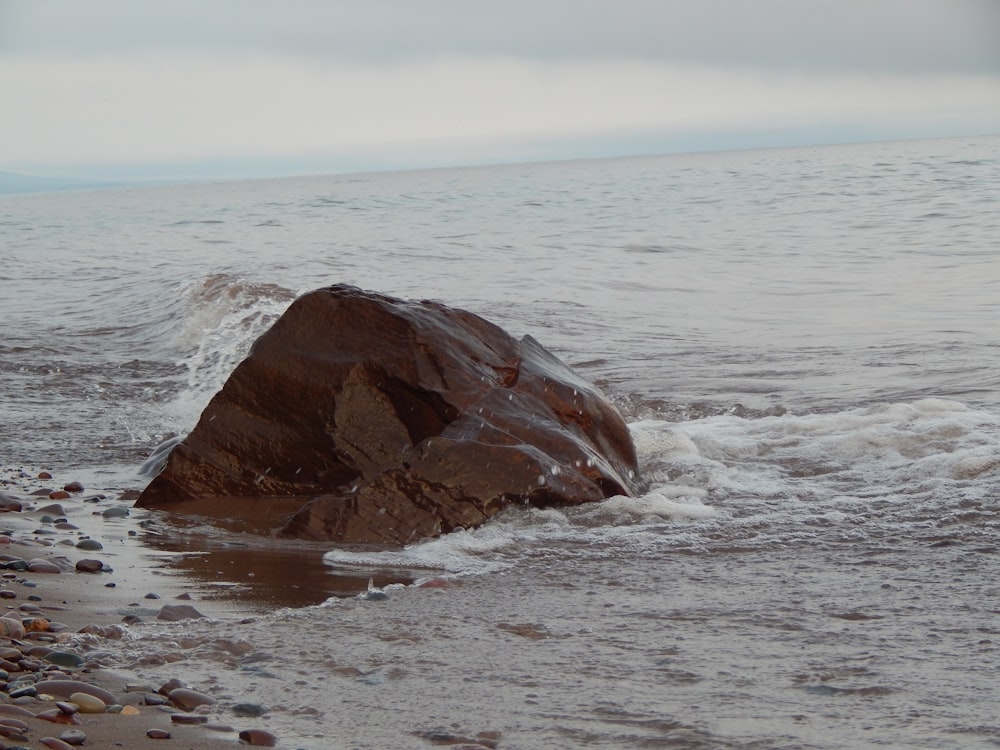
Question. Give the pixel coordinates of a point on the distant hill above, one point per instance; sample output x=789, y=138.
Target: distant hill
x=11, y=182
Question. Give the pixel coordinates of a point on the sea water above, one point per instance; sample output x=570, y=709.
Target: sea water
x=804, y=342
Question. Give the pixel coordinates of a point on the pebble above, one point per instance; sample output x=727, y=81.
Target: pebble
x=11, y=628
x=117, y=511
x=249, y=709
x=89, y=566
x=67, y=708
x=91, y=545
x=66, y=688
x=54, y=508
x=175, y=612
x=188, y=719
x=88, y=704
x=187, y=699
x=65, y=659
x=57, y=717
x=158, y=734
x=44, y=475
x=258, y=737
x=55, y=743
x=73, y=487
x=171, y=684
x=38, y=565
x=73, y=737
x=58, y=495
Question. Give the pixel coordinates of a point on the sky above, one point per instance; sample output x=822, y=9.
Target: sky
x=240, y=88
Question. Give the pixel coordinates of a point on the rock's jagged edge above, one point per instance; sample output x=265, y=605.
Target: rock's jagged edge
x=359, y=417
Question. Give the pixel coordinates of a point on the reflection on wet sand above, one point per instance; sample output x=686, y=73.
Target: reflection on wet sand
x=259, y=570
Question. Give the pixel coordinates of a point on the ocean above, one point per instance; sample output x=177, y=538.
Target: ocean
x=803, y=341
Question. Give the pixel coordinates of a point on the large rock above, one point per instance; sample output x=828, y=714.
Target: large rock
x=362, y=418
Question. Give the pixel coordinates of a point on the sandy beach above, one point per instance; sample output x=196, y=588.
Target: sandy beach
x=71, y=616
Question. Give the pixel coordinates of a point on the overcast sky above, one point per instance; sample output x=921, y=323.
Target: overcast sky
x=261, y=87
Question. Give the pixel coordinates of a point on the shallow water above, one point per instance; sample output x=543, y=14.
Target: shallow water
x=803, y=341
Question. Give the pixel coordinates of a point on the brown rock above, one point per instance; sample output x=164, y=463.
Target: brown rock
x=186, y=699
x=89, y=566
x=58, y=495
x=44, y=475
x=175, y=612
x=38, y=565
x=54, y=743
x=73, y=487
x=363, y=418
x=10, y=503
x=258, y=737
x=158, y=734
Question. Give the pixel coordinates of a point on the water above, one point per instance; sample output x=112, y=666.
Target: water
x=803, y=341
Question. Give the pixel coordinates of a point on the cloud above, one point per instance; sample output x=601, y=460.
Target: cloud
x=195, y=106
x=944, y=36
x=382, y=82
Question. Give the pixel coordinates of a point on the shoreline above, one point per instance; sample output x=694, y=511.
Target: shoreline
x=78, y=575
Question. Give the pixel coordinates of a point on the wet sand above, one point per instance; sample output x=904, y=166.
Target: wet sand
x=146, y=565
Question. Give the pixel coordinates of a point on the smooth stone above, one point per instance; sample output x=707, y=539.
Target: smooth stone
x=54, y=743
x=59, y=495
x=73, y=487
x=258, y=738
x=188, y=719
x=67, y=708
x=15, y=724
x=88, y=704
x=73, y=737
x=89, y=566
x=64, y=659
x=66, y=688
x=172, y=684
x=249, y=709
x=30, y=691
x=57, y=717
x=187, y=699
x=91, y=545
x=8, y=710
x=44, y=475
x=129, y=711
x=115, y=512
x=175, y=612
x=158, y=734
x=8, y=594
x=43, y=566
x=151, y=595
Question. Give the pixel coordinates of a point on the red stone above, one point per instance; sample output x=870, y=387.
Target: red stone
x=258, y=738
x=363, y=418
x=58, y=495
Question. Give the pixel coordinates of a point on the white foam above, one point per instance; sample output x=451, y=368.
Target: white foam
x=727, y=480
x=224, y=315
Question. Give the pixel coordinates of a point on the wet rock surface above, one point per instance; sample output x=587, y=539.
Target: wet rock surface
x=363, y=418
